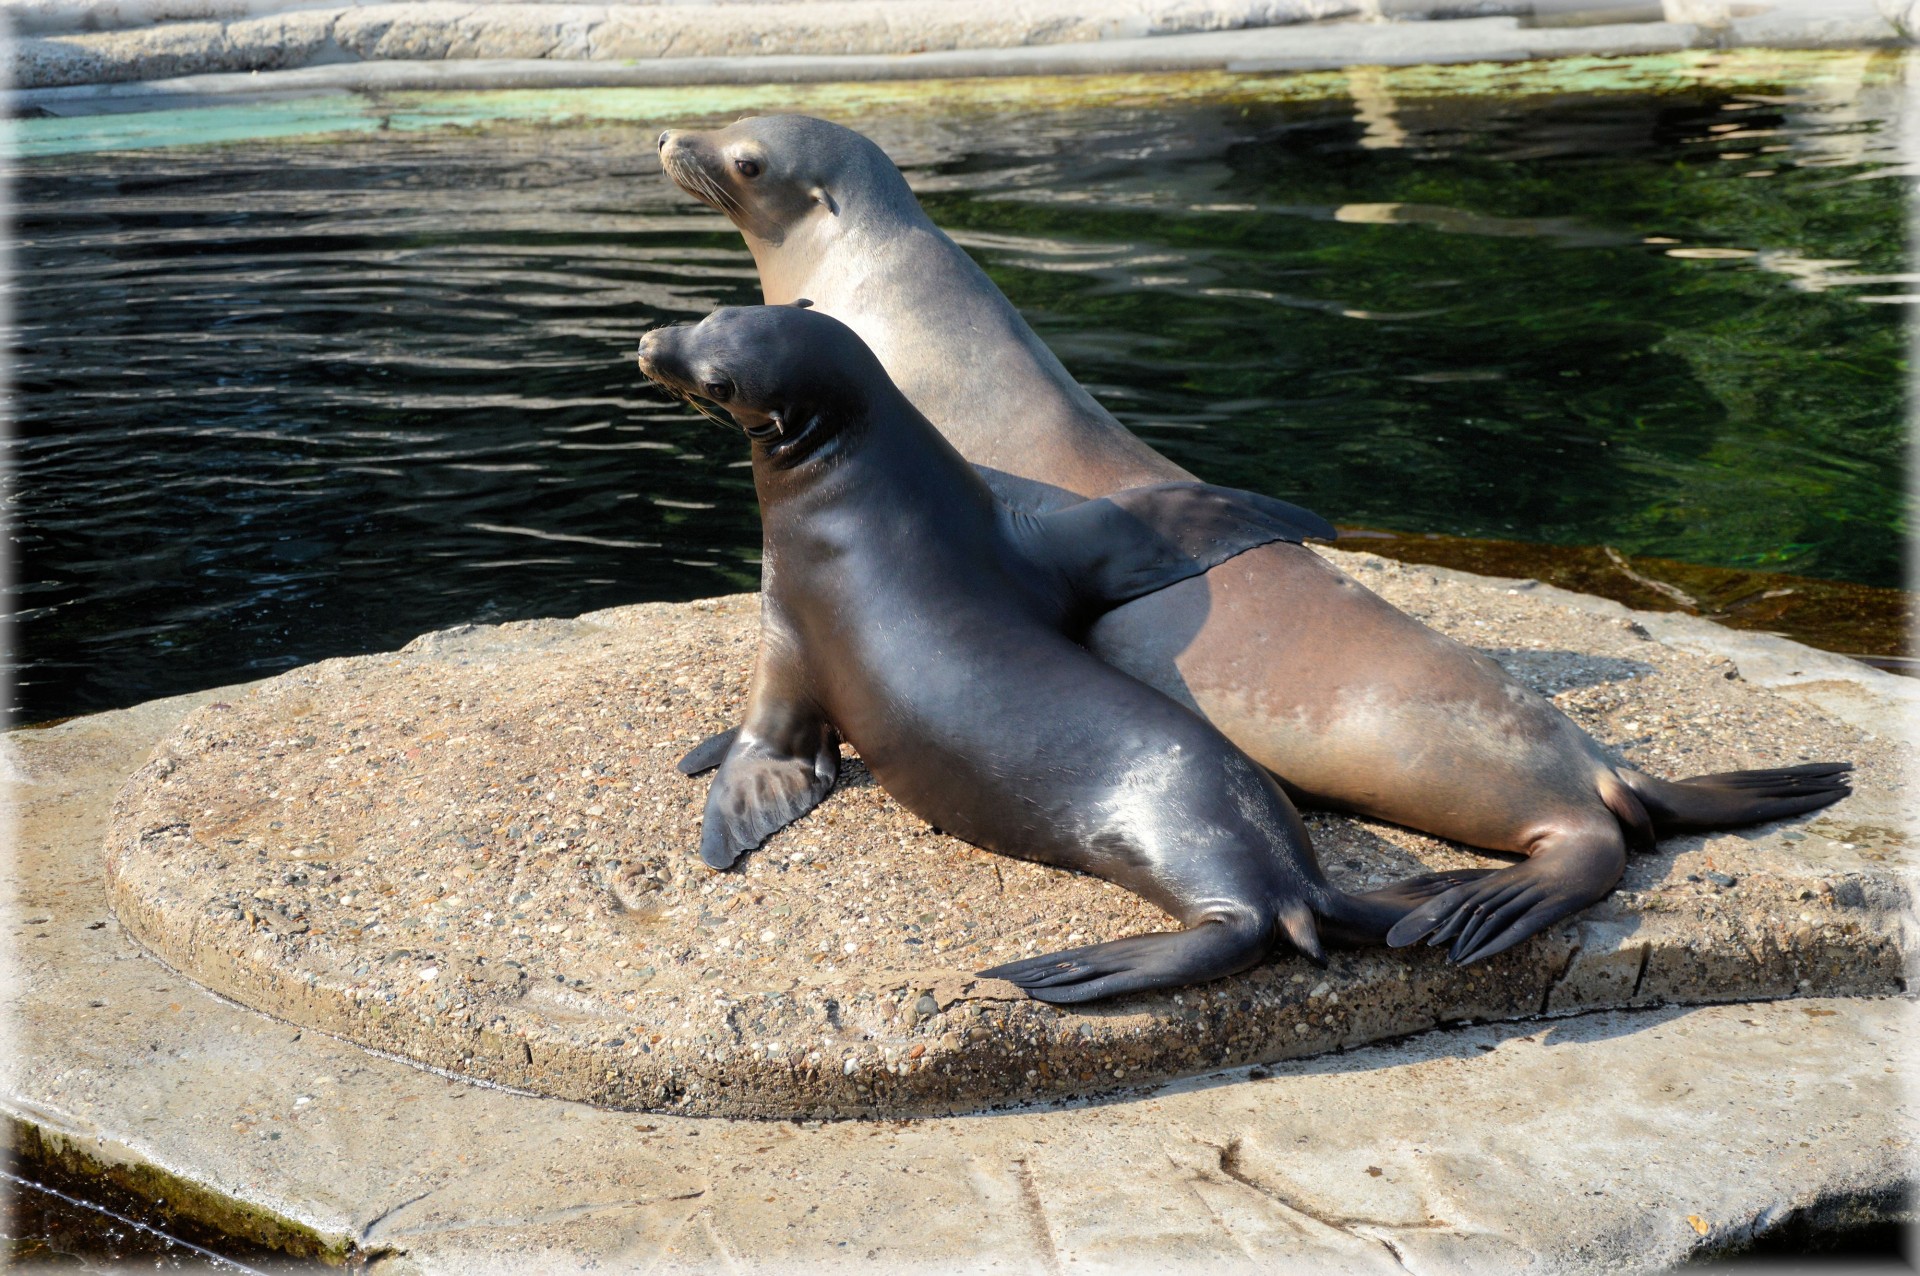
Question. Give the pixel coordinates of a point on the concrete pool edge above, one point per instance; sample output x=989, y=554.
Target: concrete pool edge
x=73, y=1078
x=424, y=1212
x=131, y=79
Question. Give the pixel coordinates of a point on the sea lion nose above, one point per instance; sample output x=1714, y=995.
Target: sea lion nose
x=665, y=133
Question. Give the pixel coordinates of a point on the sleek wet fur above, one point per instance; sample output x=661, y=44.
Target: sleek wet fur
x=1352, y=703
x=909, y=611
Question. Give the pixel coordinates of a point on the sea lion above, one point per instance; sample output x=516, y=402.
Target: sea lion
x=908, y=610
x=1353, y=704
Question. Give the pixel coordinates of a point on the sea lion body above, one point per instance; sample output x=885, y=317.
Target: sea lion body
x=908, y=610
x=1354, y=704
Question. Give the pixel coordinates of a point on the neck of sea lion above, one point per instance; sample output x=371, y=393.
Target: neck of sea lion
x=946, y=335
x=889, y=485
x=878, y=451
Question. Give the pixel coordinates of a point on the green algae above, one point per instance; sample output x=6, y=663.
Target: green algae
x=178, y=1206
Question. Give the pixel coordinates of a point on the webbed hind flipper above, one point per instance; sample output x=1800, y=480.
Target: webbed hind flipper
x=1161, y=959
x=1490, y=913
x=1361, y=921
x=1217, y=946
x=1731, y=799
x=1120, y=547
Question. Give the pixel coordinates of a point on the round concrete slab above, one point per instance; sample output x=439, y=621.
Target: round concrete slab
x=476, y=853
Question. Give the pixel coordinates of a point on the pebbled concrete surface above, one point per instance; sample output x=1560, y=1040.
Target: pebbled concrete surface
x=476, y=853
x=1620, y=1141
x=1614, y=1141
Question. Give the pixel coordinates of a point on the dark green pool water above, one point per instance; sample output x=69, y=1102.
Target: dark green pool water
x=285, y=399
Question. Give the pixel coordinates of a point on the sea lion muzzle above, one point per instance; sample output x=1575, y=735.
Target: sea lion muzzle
x=662, y=358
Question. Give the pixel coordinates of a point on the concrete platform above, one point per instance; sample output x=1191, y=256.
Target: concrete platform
x=1618, y=1141
x=476, y=853
x=67, y=50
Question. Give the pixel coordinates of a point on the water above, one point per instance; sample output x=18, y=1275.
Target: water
x=90, y=1224
x=283, y=399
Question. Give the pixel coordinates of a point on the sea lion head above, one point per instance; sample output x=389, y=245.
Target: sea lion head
x=792, y=378
x=777, y=177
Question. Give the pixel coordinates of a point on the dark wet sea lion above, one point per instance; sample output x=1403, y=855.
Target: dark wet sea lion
x=907, y=609
x=1354, y=704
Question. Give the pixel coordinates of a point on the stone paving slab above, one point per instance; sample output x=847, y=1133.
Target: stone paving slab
x=1612, y=1142
x=476, y=853
x=439, y=44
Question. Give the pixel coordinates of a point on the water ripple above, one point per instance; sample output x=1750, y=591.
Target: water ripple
x=280, y=401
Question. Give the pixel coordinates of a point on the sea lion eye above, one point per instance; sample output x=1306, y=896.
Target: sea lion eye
x=717, y=390
x=747, y=167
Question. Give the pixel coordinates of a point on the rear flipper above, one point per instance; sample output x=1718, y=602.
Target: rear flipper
x=1213, y=948
x=1492, y=913
x=1735, y=798
x=1361, y=921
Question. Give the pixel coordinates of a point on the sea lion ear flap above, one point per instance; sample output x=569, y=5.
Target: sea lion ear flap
x=801, y=303
x=822, y=196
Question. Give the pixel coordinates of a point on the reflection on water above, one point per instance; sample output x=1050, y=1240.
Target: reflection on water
x=284, y=400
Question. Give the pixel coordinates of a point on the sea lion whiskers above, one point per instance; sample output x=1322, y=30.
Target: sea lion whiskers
x=722, y=196
x=701, y=184
x=693, y=401
x=689, y=399
x=685, y=398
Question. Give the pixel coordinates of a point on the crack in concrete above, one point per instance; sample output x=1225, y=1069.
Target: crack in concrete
x=1640, y=975
x=727, y=1255
x=664, y=1250
x=1035, y=1213
x=1394, y=1250
x=366, y=1233
x=1230, y=1165
x=1220, y=1220
x=1560, y=976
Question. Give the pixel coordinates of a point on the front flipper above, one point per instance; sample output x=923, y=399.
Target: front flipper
x=778, y=763
x=709, y=753
x=1121, y=547
x=761, y=789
